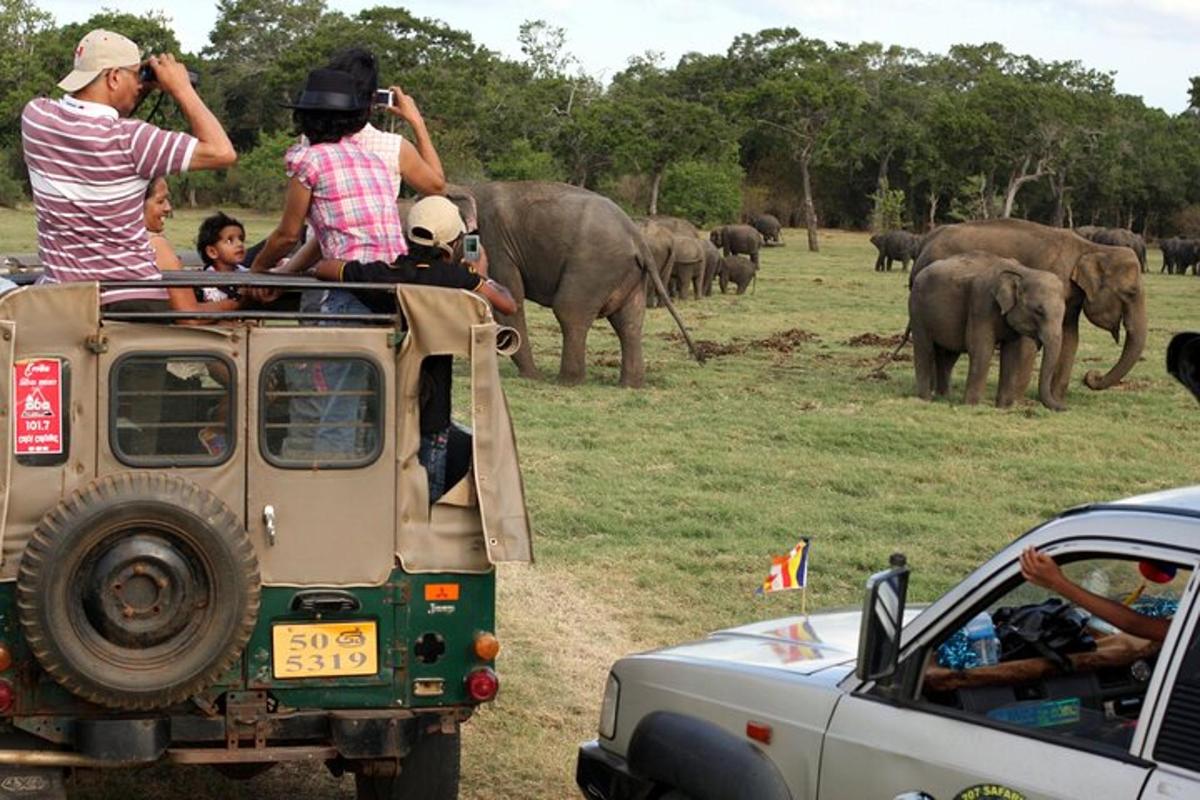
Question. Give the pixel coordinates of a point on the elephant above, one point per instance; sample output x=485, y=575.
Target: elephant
x=899, y=246
x=1101, y=281
x=712, y=263
x=661, y=242
x=970, y=303
x=1180, y=254
x=677, y=225
x=687, y=271
x=737, y=270
x=575, y=252
x=768, y=225
x=735, y=239
x=1119, y=237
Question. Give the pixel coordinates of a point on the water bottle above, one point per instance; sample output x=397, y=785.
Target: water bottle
x=982, y=641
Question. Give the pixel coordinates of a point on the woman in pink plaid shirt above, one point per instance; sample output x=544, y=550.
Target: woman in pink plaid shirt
x=344, y=192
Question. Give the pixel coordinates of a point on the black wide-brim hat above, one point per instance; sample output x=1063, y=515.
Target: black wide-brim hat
x=329, y=90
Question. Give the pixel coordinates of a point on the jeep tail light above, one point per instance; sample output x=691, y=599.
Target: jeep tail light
x=487, y=646
x=5, y=657
x=482, y=685
x=7, y=696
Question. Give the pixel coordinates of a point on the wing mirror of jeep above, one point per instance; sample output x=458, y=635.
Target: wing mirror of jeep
x=1183, y=360
x=882, y=620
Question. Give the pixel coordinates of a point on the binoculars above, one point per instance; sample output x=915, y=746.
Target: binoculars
x=146, y=75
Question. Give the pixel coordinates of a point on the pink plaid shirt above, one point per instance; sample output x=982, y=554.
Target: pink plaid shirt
x=353, y=211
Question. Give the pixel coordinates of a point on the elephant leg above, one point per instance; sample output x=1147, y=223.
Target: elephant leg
x=1066, y=358
x=574, y=348
x=523, y=358
x=724, y=282
x=889, y=263
x=1016, y=370
x=923, y=362
x=754, y=258
x=627, y=322
x=879, y=263
x=944, y=361
x=904, y=264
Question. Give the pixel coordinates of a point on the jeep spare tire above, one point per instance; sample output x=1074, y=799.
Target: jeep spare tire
x=138, y=591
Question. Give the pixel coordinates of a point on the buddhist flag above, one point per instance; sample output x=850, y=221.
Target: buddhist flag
x=788, y=572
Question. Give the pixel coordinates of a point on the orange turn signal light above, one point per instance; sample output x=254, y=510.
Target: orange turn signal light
x=759, y=732
x=487, y=646
x=5, y=657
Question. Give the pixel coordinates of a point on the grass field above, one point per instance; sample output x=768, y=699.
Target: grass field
x=657, y=511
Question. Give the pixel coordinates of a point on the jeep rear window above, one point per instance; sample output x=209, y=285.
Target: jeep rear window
x=323, y=411
x=172, y=410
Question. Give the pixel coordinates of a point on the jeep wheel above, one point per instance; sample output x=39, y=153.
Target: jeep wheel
x=429, y=772
x=138, y=591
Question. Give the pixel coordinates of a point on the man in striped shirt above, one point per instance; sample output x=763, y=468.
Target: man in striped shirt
x=89, y=166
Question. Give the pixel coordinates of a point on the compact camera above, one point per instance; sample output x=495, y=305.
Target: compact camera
x=471, y=247
x=384, y=97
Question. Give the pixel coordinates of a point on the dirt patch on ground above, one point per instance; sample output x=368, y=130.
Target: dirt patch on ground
x=875, y=340
x=780, y=342
x=1135, y=385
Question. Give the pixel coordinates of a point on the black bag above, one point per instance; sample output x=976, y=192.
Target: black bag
x=1052, y=629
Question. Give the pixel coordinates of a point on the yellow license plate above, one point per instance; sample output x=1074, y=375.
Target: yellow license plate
x=324, y=649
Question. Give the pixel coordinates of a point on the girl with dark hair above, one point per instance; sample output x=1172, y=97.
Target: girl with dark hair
x=342, y=190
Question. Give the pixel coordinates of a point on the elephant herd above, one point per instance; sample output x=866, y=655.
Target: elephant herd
x=1017, y=284
x=973, y=286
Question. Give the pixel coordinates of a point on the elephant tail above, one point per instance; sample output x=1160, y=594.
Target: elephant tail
x=647, y=264
x=879, y=371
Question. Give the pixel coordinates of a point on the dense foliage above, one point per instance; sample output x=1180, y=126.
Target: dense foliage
x=819, y=133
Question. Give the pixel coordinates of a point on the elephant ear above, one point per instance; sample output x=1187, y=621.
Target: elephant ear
x=1088, y=275
x=1006, y=289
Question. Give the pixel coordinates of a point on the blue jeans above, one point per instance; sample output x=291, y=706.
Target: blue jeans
x=432, y=455
x=327, y=420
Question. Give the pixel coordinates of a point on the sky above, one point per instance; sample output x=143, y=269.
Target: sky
x=1149, y=44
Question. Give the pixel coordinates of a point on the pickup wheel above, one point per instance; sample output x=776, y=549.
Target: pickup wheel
x=138, y=591
x=430, y=771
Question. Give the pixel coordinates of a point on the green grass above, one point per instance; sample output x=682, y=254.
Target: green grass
x=657, y=511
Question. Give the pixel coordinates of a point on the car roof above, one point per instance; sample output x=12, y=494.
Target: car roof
x=1183, y=501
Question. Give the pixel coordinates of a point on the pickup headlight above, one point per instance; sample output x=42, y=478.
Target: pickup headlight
x=608, y=708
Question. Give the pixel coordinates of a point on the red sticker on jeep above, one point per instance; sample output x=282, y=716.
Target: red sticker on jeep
x=37, y=406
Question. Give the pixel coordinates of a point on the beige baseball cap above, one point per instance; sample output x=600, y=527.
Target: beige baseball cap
x=98, y=51
x=435, y=222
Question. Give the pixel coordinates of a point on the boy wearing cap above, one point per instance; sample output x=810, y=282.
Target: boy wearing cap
x=435, y=258
x=89, y=165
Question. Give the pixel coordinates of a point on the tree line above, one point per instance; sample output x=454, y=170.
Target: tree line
x=842, y=135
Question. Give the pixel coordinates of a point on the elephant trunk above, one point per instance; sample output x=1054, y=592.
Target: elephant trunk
x=1136, y=327
x=1051, y=348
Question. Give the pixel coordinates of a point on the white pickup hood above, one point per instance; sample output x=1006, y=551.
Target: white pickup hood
x=803, y=644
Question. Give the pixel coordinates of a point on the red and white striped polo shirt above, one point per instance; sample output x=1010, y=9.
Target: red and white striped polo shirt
x=89, y=170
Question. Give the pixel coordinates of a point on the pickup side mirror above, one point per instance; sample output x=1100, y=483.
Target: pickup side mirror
x=882, y=619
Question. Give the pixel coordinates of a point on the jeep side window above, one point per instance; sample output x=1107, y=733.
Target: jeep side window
x=172, y=410
x=321, y=412
x=1058, y=671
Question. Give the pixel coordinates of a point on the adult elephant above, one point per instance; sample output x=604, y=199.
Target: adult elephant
x=1102, y=281
x=677, y=225
x=660, y=241
x=1118, y=237
x=575, y=252
x=737, y=239
x=770, y=228
x=687, y=272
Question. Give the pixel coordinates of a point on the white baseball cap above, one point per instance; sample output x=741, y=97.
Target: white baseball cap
x=435, y=222
x=98, y=51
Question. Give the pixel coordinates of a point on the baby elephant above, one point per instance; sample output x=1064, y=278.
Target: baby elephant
x=738, y=270
x=970, y=302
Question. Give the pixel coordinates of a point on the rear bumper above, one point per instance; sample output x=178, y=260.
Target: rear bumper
x=601, y=775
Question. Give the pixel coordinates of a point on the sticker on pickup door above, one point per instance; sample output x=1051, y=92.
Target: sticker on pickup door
x=989, y=791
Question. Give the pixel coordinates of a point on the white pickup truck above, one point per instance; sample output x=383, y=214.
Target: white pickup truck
x=858, y=706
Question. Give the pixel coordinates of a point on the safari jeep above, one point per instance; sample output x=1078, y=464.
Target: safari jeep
x=191, y=574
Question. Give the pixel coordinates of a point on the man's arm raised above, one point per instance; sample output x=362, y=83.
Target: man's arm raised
x=213, y=148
